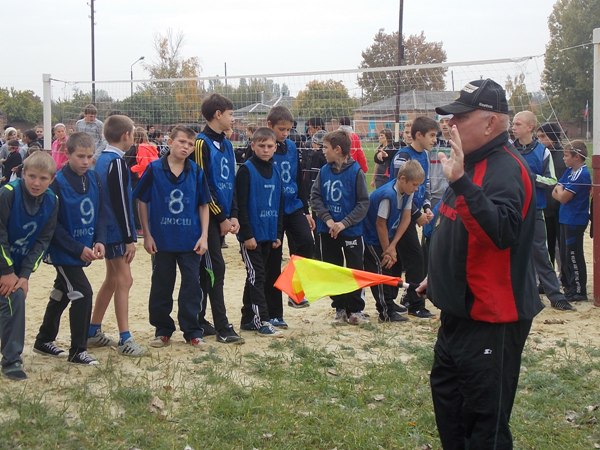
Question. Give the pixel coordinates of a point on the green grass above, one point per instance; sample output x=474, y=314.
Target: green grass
x=370, y=394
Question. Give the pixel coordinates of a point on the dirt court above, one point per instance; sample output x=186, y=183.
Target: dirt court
x=310, y=325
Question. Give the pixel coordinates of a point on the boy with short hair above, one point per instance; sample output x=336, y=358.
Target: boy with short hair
x=573, y=193
x=424, y=137
x=78, y=240
x=93, y=126
x=387, y=220
x=297, y=221
x=540, y=163
x=120, y=237
x=214, y=154
x=12, y=161
x=340, y=199
x=259, y=195
x=173, y=202
x=28, y=211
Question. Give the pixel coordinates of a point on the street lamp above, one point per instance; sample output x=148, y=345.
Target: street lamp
x=131, y=71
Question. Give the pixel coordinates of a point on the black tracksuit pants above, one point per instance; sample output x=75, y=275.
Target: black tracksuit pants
x=474, y=380
x=71, y=286
x=410, y=255
x=384, y=294
x=213, y=263
x=255, y=309
x=335, y=251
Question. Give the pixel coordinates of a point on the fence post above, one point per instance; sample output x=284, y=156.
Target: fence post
x=596, y=165
x=47, y=94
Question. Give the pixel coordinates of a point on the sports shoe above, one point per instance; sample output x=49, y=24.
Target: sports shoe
x=250, y=326
x=562, y=305
x=131, y=348
x=229, y=336
x=268, y=330
x=160, y=341
x=83, y=358
x=207, y=328
x=393, y=316
x=49, y=349
x=577, y=298
x=278, y=322
x=100, y=340
x=358, y=318
x=303, y=304
x=199, y=343
x=341, y=317
x=14, y=371
x=400, y=309
x=422, y=313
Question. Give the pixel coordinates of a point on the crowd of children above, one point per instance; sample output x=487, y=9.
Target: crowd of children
x=190, y=196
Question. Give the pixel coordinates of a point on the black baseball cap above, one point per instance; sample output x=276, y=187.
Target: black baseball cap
x=486, y=95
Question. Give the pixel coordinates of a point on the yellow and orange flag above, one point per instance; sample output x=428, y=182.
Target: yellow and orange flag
x=312, y=279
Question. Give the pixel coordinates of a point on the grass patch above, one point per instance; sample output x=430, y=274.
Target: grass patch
x=369, y=392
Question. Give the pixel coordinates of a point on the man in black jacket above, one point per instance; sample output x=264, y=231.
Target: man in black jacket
x=480, y=273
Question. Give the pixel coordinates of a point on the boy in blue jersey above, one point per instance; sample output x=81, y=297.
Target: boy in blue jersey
x=573, y=193
x=409, y=251
x=78, y=241
x=28, y=211
x=387, y=220
x=541, y=165
x=120, y=237
x=214, y=154
x=173, y=202
x=297, y=221
x=259, y=193
x=340, y=199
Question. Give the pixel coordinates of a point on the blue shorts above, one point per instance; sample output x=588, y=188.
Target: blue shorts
x=112, y=251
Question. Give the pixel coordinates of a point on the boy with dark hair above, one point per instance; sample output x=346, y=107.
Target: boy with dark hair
x=409, y=252
x=260, y=201
x=78, y=240
x=356, y=151
x=12, y=161
x=573, y=193
x=297, y=221
x=213, y=152
x=28, y=211
x=387, y=220
x=340, y=199
x=173, y=202
x=120, y=237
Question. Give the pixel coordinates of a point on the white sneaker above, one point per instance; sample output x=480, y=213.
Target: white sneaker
x=131, y=348
x=358, y=318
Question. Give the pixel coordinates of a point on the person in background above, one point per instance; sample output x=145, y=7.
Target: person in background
x=59, y=146
x=549, y=134
x=356, y=151
x=384, y=152
x=573, y=193
x=93, y=126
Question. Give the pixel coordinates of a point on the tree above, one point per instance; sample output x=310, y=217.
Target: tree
x=384, y=53
x=327, y=99
x=568, y=73
x=516, y=91
x=21, y=106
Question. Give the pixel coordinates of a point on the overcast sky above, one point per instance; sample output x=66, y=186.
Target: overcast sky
x=252, y=37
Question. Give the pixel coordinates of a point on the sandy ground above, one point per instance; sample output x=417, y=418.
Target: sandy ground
x=311, y=325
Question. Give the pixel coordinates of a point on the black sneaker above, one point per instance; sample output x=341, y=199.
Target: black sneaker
x=83, y=358
x=393, y=316
x=577, y=298
x=207, y=328
x=400, y=309
x=422, y=313
x=250, y=326
x=14, y=371
x=303, y=303
x=229, y=336
x=562, y=305
x=49, y=349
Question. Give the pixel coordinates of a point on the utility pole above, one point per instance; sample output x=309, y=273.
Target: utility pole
x=93, y=53
x=400, y=58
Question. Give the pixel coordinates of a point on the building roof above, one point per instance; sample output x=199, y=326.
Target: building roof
x=410, y=101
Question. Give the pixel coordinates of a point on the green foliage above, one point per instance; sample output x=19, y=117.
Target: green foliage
x=20, y=106
x=327, y=99
x=516, y=91
x=384, y=53
x=569, y=65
